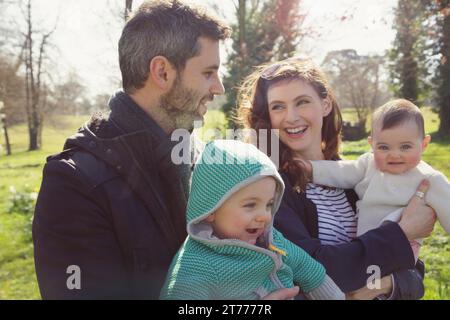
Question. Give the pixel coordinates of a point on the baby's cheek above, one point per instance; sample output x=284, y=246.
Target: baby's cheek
x=240, y=224
x=379, y=160
x=414, y=160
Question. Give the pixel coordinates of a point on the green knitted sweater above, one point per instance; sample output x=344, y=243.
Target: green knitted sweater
x=207, y=267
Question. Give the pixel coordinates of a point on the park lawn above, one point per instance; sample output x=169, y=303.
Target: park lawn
x=23, y=170
x=431, y=118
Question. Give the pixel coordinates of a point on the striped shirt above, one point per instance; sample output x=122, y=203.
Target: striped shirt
x=336, y=219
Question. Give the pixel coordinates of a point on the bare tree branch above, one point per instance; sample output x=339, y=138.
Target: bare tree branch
x=34, y=84
x=128, y=9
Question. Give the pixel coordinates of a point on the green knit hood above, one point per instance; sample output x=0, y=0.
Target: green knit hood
x=209, y=267
x=224, y=167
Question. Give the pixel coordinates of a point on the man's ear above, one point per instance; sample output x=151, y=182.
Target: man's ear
x=426, y=141
x=327, y=106
x=162, y=72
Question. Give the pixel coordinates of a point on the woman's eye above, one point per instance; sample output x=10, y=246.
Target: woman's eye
x=277, y=107
x=300, y=102
x=269, y=205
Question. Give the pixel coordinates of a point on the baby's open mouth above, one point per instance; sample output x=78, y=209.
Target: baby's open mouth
x=252, y=230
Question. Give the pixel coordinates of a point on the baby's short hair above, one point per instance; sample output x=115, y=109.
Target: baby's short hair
x=396, y=112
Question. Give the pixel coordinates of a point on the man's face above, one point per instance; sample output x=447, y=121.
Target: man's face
x=197, y=84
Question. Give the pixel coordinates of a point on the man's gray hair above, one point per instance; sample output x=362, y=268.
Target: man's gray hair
x=163, y=28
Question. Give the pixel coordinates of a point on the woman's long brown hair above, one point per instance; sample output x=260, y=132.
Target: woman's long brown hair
x=253, y=111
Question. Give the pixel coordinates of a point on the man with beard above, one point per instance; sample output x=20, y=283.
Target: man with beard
x=111, y=209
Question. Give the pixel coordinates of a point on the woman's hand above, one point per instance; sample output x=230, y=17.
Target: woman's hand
x=369, y=294
x=283, y=294
x=418, y=219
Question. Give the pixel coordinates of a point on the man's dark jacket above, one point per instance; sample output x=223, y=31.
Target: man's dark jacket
x=113, y=204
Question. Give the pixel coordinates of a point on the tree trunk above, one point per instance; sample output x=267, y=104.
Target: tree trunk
x=5, y=131
x=444, y=89
x=409, y=88
x=242, y=55
x=32, y=132
x=39, y=136
x=242, y=35
x=34, y=83
x=128, y=8
x=31, y=85
x=406, y=61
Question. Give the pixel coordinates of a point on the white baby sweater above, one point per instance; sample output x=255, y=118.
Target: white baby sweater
x=383, y=193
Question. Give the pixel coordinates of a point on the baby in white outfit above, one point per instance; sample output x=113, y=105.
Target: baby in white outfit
x=386, y=178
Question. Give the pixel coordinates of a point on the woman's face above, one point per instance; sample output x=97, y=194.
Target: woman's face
x=297, y=111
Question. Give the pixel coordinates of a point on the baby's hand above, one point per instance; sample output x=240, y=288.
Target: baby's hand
x=283, y=294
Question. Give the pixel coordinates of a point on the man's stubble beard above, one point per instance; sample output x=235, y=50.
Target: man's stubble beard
x=181, y=106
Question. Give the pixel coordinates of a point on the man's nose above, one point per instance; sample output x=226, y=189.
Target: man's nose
x=217, y=88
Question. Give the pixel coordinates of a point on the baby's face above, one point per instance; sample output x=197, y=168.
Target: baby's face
x=398, y=149
x=247, y=213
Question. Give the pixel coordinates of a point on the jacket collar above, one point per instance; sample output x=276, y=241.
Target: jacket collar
x=128, y=117
x=139, y=151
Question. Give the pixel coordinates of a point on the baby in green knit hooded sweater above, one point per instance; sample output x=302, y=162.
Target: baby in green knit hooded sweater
x=232, y=250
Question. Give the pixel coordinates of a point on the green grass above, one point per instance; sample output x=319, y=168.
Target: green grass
x=431, y=118
x=23, y=170
x=214, y=126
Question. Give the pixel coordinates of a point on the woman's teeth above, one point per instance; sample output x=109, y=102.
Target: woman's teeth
x=296, y=130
